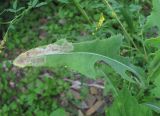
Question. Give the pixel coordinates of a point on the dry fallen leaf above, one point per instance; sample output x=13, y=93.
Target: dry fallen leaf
x=93, y=91
x=84, y=105
x=90, y=100
x=75, y=94
x=94, y=108
x=80, y=113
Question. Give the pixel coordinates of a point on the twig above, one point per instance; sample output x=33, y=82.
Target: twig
x=89, y=85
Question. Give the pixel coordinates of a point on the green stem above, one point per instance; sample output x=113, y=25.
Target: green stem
x=144, y=48
x=10, y=24
x=123, y=28
x=82, y=11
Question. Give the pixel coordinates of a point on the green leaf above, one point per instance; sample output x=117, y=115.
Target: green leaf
x=59, y=112
x=41, y=4
x=63, y=1
x=15, y=5
x=154, y=74
x=126, y=105
x=153, y=42
x=11, y=10
x=156, y=90
x=82, y=11
x=34, y=3
x=103, y=47
x=154, y=66
x=21, y=8
x=153, y=19
x=81, y=57
x=153, y=106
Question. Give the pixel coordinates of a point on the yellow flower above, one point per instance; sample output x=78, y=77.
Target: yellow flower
x=100, y=22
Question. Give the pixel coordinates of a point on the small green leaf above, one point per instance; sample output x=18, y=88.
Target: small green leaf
x=64, y=1
x=34, y=3
x=15, y=5
x=21, y=8
x=154, y=66
x=41, y=4
x=153, y=106
x=59, y=112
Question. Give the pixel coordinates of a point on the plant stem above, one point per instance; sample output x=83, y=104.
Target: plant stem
x=82, y=11
x=123, y=28
x=86, y=84
x=10, y=24
x=144, y=48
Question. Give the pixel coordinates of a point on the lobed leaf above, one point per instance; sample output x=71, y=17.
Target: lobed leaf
x=81, y=57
